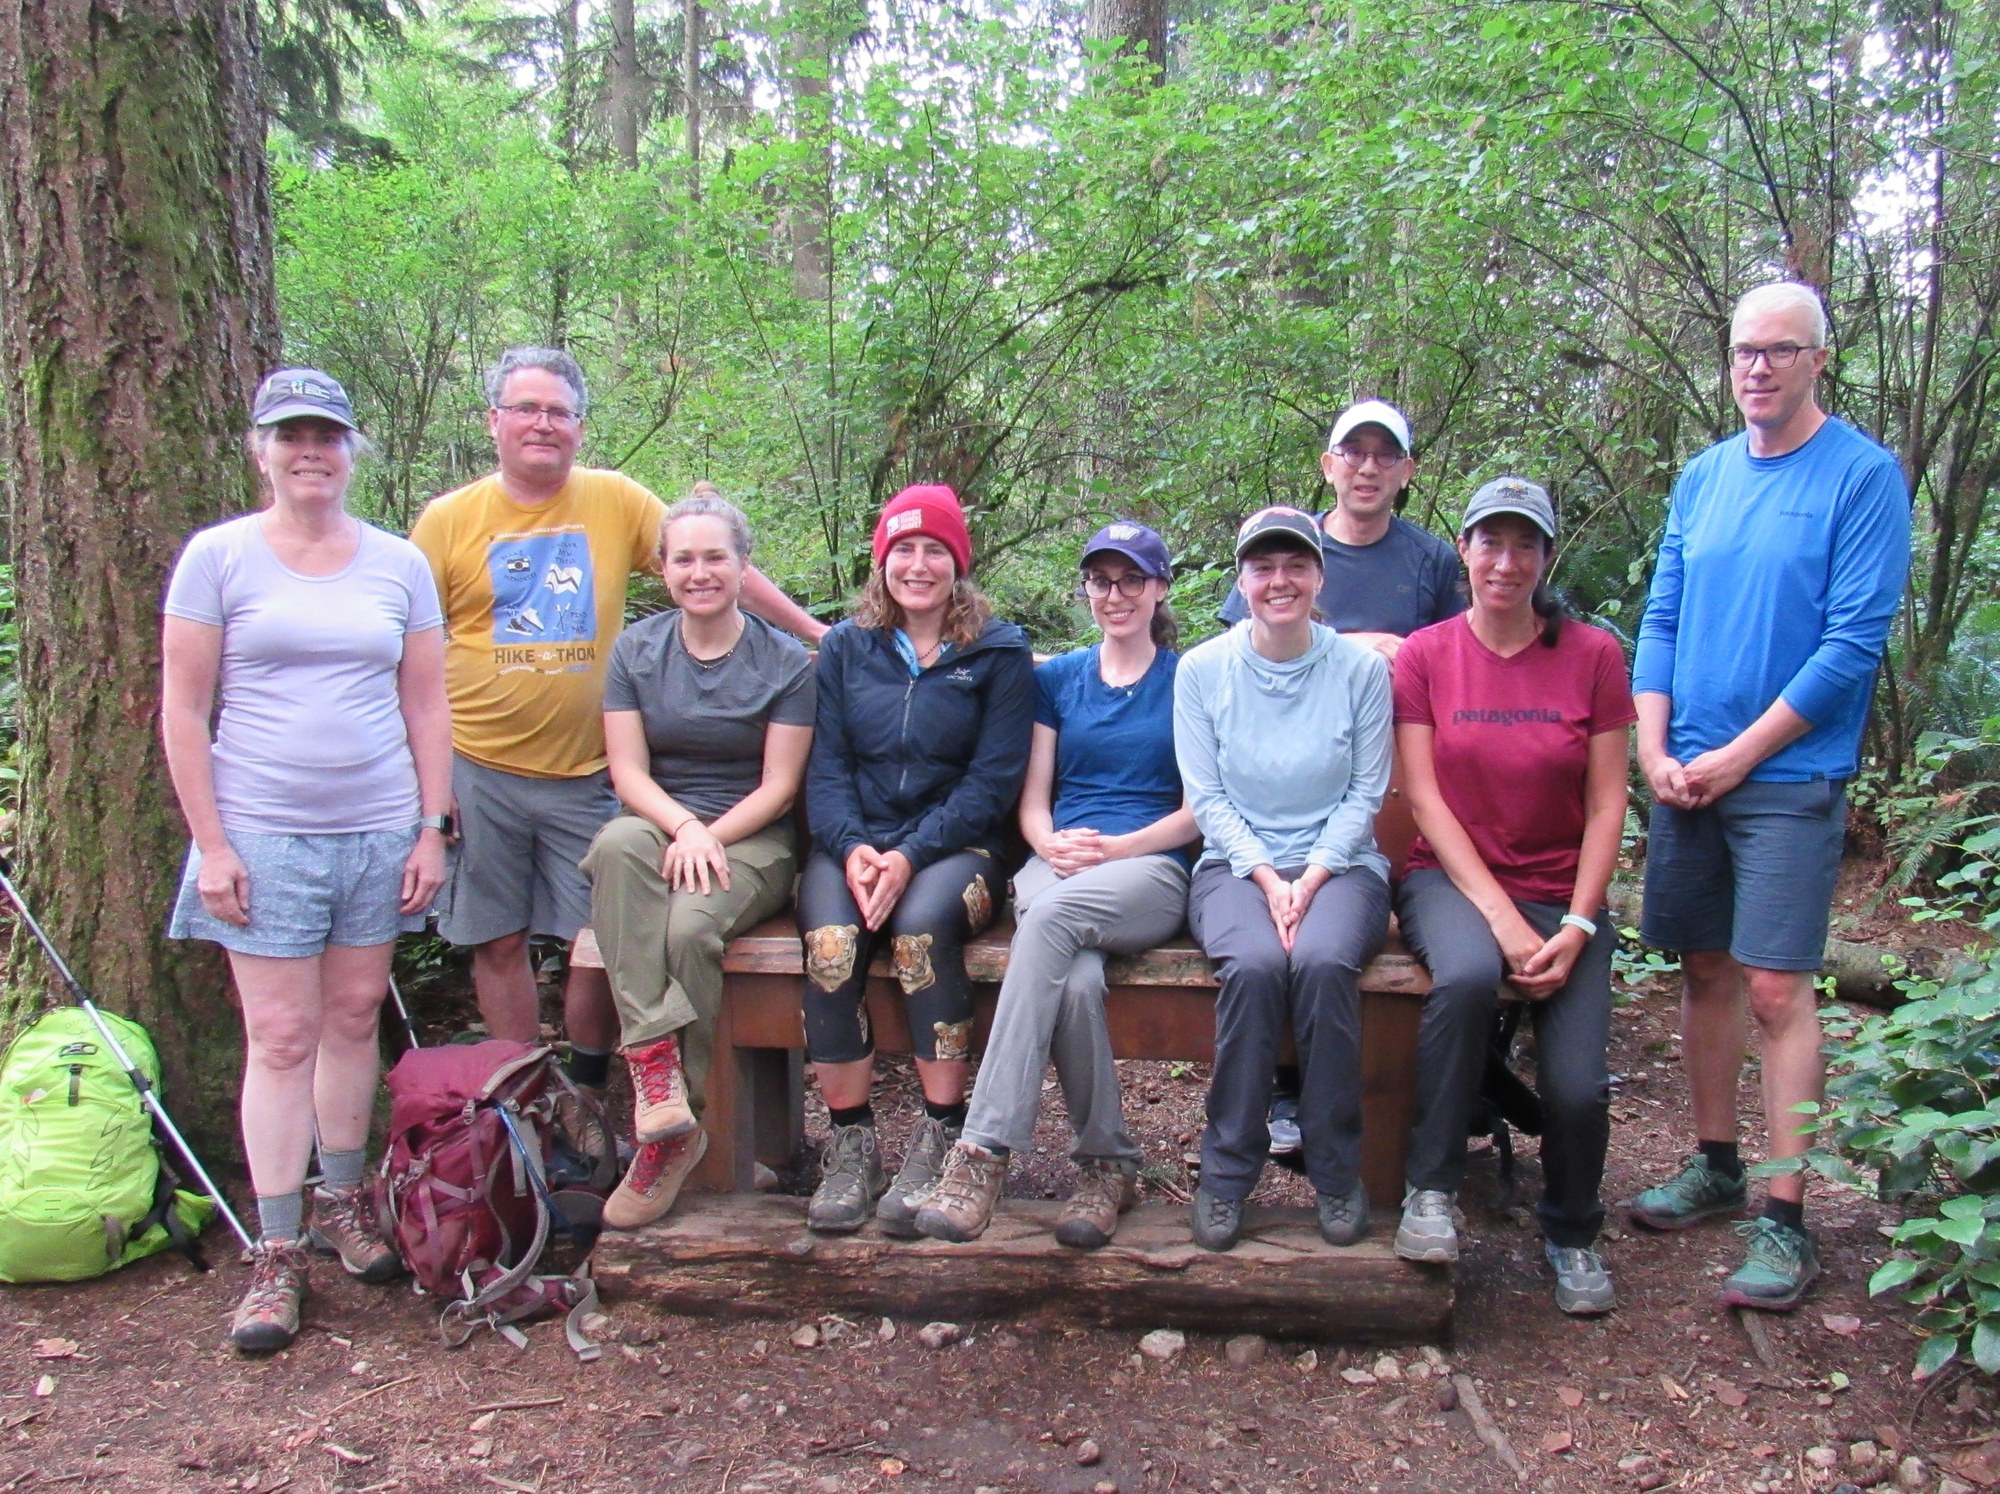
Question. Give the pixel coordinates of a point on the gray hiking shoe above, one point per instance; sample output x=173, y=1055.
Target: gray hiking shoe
x=1691, y=1195
x=1343, y=1220
x=850, y=1181
x=1583, y=1286
x=1218, y=1222
x=897, y=1212
x=1429, y=1228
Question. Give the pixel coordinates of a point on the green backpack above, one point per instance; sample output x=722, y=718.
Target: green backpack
x=83, y=1188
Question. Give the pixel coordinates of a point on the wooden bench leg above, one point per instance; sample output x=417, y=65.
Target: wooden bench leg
x=1389, y=1023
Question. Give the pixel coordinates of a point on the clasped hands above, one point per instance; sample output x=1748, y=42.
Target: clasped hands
x=1696, y=783
x=1288, y=901
x=877, y=880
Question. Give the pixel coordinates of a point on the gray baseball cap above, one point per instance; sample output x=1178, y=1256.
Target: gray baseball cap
x=295, y=393
x=1512, y=495
x=1281, y=526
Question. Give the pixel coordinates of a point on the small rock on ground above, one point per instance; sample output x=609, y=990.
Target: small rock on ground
x=939, y=1335
x=1245, y=1350
x=1162, y=1344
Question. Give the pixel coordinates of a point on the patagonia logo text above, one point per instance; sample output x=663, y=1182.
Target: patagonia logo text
x=1507, y=718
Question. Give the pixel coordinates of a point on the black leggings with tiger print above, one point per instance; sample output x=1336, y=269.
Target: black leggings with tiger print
x=946, y=903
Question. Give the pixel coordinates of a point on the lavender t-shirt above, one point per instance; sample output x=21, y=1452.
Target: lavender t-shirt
x=309, y=737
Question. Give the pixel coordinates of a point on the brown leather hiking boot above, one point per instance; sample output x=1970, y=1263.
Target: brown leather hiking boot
x=653, y=1182
x=660, y=1110
x=960, y=1206
x=267, y=1319
x=1089, y=1215
x=344, y=1224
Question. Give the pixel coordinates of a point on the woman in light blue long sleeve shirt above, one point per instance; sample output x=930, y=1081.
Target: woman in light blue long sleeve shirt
x=1283, y=732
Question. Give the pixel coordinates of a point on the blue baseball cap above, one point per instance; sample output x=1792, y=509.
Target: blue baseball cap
x=294, y=393
x=1138, y=544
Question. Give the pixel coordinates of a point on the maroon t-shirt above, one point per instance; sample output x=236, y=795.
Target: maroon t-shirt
x=1512, y=742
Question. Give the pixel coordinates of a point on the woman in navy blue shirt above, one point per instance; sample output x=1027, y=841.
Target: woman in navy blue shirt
x=1104, y=814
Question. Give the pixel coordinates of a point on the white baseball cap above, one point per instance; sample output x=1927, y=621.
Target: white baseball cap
x=1371, y=412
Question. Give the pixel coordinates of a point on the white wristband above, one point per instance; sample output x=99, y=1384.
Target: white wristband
x=1578, y=921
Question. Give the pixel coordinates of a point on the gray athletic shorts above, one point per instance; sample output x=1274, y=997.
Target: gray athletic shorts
x=1752, y=873
x=520, y=840
x=306, y=892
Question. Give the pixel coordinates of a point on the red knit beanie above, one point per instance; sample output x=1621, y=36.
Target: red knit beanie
x=929, y=510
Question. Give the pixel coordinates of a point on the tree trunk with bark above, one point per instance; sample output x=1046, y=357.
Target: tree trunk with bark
x=137, y=314
x=1134, y=25
x=631, y=90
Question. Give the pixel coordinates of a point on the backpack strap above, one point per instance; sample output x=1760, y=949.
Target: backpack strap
x=468, y=1314
x=163, y=1213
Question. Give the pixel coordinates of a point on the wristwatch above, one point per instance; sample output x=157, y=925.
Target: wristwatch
x=441, y=823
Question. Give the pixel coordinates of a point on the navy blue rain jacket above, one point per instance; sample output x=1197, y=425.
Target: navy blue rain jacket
x=929, y=765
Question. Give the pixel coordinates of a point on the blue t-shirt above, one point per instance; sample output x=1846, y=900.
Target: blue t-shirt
x=1778, y=577
x=1115, y=768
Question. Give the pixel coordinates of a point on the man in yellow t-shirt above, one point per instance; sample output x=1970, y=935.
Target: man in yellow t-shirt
x=532, y=564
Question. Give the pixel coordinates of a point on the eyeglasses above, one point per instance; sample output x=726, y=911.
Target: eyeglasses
x=1780, y=355
x=1097, y=588
x=534, y=414
x=1355, y=457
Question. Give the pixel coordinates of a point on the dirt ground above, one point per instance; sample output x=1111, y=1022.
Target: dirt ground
x=125, y=1382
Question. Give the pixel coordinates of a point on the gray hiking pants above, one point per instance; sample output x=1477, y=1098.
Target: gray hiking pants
x=1051, y=1004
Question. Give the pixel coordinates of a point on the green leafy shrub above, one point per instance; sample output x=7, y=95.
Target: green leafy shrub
x=1914, y=1100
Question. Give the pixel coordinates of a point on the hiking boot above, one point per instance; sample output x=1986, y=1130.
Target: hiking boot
x=1777, y=1268
x=578, y=1123
x=1089, y=1218
x=267, y=1319
x=1583, y=1286
x=1217, y=1223
x=961, y=1205
x=1342, y=1221
x=653, y=1181
x=897, y=1212
x=1691, y=1195
x=1285, y=1138
x=850, y=1181
x=1429, y=1229
x=344, y=1224
x=660, y=1110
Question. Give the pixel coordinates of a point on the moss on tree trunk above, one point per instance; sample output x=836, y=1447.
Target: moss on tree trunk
x=137, y=314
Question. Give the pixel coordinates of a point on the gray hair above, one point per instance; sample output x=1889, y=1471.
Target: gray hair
x=705, y=502
x=1784, y=295
x=548, y=360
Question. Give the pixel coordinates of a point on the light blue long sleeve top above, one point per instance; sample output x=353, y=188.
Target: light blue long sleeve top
x=1778, y=578
x=1285, y=764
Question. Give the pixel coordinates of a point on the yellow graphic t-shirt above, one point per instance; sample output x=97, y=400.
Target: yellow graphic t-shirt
x=533, y=600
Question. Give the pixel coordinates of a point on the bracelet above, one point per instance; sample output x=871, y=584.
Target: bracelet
x=1578, y=921
x=675, y=833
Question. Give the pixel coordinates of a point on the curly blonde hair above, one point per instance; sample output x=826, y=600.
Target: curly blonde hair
x=966, y=612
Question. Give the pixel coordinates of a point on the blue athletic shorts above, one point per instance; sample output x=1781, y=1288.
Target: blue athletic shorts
x=306, y=892
x=1752, y=873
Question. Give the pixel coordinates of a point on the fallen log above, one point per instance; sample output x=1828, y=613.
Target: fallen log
x=735, y=1255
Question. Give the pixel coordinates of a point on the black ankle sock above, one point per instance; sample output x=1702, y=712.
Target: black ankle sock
x=853, y=1115
x=951, y=1115
x=1784, y=1211
x=587, y=1066
x=1721, y=1156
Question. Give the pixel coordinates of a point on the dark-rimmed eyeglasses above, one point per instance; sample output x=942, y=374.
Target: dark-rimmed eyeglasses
x=1778, y=355
x=533, y=413
x=1355, y=457
x=1097, y=588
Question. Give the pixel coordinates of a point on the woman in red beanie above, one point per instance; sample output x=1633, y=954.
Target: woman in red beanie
x=926, y=706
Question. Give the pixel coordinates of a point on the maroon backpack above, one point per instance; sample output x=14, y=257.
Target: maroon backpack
x=465, y=1191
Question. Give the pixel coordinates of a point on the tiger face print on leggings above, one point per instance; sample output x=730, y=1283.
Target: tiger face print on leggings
x=924, y=936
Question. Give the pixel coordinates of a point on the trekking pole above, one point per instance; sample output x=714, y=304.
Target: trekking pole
x=409, y=1027
x=139, y=1081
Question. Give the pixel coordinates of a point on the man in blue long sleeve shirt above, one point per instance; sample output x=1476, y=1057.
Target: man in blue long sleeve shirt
x=1785, y=556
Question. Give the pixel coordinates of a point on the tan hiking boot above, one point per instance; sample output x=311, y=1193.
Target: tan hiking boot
x=961, y=1205
x=1103, y=1191
x=653, y=1182
x=267, y=1319
x=660, y=1109
x=344, y=1224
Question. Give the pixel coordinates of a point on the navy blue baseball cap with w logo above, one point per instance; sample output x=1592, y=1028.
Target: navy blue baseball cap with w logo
x=296, y=393
x=1138, y=544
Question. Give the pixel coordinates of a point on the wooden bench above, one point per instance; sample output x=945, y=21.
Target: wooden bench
x=1159, y=1005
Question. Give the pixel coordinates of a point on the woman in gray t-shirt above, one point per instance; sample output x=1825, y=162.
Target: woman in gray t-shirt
x=708, y=719
x=317, y=810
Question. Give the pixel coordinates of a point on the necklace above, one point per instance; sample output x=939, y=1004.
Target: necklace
x=719, y=659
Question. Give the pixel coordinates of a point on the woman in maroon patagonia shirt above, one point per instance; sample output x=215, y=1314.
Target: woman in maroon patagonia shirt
x=1512, y=727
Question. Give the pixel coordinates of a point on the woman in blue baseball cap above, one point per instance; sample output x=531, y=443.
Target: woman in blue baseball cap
x=1103, y=811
